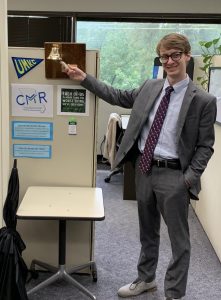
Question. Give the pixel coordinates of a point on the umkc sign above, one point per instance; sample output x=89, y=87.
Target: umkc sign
x=24, y=65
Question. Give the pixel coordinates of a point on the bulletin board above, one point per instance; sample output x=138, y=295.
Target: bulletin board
x=47, y=155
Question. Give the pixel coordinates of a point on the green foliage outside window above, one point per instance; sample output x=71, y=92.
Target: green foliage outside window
x=209, y=50
x=127, y=50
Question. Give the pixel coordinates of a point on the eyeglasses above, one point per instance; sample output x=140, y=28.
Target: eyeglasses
x=176, y=56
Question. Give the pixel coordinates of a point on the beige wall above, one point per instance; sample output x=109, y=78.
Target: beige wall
x=4, y=106
x=208, y=209
x=169, y=6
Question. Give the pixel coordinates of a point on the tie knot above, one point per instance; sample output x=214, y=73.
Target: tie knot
x=169, y=90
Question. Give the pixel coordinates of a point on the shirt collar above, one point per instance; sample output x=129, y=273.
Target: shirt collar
x=179, y=85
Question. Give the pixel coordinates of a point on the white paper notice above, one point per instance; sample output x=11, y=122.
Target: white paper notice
x=32, y=100
x=215, y=88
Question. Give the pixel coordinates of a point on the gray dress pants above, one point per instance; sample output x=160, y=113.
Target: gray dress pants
x=163, y=192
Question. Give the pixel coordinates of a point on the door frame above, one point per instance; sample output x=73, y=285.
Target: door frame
x=4, y=106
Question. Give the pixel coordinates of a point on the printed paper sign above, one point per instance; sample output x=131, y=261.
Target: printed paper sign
x=23, y=65
x=215, y=89
x=22, y=130
x=157, y=72
x=32, y=100
x=32, y=151
x=72, y=100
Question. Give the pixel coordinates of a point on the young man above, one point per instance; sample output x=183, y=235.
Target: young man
x=169, y=138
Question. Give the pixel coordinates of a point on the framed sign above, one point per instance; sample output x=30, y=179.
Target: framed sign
x=214, y=87
x=72, y=100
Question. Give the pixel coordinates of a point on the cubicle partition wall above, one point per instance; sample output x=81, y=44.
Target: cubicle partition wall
x=209, y=207
x=53, y=134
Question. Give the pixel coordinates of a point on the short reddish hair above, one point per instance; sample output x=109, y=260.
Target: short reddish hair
x=174, y=41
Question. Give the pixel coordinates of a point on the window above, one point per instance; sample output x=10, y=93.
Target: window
x=127, y=49
x=126, y=43
x=33, y=31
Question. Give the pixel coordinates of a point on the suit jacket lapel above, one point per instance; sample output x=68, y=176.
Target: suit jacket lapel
x=188, y=97
x=141, y=109
x=154, y=93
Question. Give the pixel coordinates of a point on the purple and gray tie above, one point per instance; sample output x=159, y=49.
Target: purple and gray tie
x=154, y=133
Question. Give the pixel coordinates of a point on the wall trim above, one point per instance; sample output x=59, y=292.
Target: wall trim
x=125, y=17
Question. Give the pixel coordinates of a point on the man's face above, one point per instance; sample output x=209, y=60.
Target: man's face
x=174, y=63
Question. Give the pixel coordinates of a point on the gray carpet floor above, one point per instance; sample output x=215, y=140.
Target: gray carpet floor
x=117, y=249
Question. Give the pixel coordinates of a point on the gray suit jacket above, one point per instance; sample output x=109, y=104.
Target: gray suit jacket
x=195, y=128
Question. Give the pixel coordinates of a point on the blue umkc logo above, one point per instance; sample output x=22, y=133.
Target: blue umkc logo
x=24, y=65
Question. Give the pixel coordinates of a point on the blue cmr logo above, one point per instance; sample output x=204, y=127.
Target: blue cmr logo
x=24, y=65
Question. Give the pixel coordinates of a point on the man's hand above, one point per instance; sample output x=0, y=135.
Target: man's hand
x=75, y=73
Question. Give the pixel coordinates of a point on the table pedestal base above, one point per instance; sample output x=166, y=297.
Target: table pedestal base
x=61, y=272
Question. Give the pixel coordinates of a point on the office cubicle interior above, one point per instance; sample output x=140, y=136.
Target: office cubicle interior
x=205, y=213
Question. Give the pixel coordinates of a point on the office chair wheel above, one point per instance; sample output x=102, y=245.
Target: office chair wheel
x=107, y=179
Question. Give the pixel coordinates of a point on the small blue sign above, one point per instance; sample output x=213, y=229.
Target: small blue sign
x=31, y=151
x=25, y=130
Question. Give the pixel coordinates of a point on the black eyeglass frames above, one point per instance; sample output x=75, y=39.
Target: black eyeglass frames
x=175, y=56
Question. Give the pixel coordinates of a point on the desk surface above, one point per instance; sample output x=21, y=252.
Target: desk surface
x=78, y=203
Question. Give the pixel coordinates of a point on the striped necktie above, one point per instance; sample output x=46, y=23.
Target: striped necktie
x=154, y=133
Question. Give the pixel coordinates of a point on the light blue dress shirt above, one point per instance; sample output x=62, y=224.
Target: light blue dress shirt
x=166, y=147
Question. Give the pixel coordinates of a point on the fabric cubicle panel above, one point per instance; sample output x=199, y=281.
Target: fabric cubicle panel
x=72, y=163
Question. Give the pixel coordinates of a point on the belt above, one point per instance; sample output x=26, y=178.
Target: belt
x=167, y=163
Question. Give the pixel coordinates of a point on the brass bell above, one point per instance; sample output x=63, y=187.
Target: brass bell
x=55, y=54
